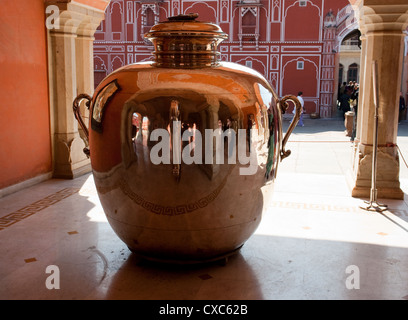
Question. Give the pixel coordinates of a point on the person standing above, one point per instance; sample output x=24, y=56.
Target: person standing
x=342, y=88
x=250, y=124
x=344, y=104
x=340, y=92
x=401, y=107
x=355, y=98
x=303, y=110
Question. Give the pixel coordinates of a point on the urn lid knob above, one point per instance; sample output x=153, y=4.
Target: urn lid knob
x=184, y=17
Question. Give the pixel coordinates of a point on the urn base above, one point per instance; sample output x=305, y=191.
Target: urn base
x=222, y=258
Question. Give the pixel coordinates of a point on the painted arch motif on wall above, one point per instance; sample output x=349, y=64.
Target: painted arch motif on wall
x=146, y=15
x=301, y=74
x=100, y=69
x=117, y=62
x=254, y=63
x=117, y=21
x=207, y=12
x=305, y=21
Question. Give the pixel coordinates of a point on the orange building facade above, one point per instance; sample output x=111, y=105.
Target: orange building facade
x=294, y=44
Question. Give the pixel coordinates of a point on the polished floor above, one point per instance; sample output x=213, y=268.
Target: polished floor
x=314, y=242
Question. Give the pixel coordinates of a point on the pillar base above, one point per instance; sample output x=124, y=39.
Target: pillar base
x=382, y=193
x=69, y=173
x=69, y=159
x=359, y=178
x=364, y=191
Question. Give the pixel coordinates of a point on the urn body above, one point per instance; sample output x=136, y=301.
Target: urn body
x=185, y=149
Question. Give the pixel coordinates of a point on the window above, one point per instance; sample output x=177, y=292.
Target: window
x=129, y=12
x=352, y=72
x=116, y=18
x=341, y=70
x=249, y=23
x=130, y=58
x=302, y=3
x=300, y=65
x=248, y=64
x=276, y=11
x=149, y=17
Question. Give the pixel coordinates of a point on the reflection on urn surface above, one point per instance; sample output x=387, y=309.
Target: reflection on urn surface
x=185, y=149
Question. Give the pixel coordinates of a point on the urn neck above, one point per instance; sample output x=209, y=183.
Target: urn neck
x=183, y=42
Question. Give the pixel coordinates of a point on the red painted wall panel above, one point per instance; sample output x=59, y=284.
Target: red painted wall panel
x=25, y=145
x=302, y=23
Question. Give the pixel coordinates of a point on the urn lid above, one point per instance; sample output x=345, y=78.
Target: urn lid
x=185, y=24
x=184, y=42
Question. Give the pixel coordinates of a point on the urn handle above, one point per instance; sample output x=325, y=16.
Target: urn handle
x=284, y=106
x=78, y=116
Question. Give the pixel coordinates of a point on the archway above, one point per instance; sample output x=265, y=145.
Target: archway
x=348, y=56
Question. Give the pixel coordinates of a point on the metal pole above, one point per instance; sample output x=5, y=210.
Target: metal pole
x=375, y=136
x=373, y=204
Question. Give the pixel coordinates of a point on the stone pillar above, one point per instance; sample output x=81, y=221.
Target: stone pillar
x=84, y=61
x=383, y=40
x=362, y=93
x=70, y=51
x=404, y=85
x=361, y=98
x=67, y=144
x=335, y=84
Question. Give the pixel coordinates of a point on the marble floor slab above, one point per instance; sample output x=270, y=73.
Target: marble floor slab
x=315, y=241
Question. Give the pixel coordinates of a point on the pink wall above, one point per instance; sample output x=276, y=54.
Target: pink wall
x=25, y=144
x=288, y=32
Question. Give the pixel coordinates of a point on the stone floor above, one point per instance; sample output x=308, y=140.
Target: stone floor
x=314, y=242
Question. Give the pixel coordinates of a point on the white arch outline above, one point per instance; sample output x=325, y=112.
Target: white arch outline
x=103, y=65
x=282, y=75
x=268, y=18
x=231, y=25
x=253, y=59
x=283, y=22
x=297, y=59
x=165, y=11
x=203, y=2
x=344, y=33
x=113, y=60
x=293, y=4
x=279, y=10
x=272, y=58
x=118, y=3
x=122, y=18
